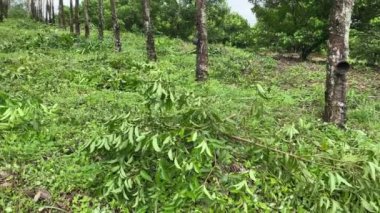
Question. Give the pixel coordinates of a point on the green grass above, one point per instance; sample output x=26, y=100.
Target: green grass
x=68, y=88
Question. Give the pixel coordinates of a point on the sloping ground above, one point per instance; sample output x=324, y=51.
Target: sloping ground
x=59, y=94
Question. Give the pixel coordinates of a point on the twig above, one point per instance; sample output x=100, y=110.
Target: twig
x=291, y=154
x=270, y=148
x=212, y=169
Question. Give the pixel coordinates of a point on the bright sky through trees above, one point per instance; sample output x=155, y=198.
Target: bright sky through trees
x=243, y=7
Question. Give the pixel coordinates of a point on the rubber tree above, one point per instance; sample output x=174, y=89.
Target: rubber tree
x=115, y=26
x=71, y=13
x=86, y=20
x=7, y=6
x=202, y=43
x=61, y=18
x=1, y=11
x=52, y=12
x=101, y=20
x=47, y=9
x=76, y=18
x=150, y=46
x=338, y=66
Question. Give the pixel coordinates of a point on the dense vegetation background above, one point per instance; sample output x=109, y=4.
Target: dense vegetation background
x=85, y=129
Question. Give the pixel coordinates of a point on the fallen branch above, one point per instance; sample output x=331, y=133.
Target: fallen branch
x=302, y=158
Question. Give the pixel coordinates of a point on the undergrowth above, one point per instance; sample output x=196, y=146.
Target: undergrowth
x=99, y=132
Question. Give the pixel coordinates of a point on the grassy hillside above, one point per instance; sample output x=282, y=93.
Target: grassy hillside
x=251, y=138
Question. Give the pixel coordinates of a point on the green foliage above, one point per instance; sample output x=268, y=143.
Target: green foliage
x=292, y=26
x=302, y=27
x=161, y=154
x=176, y=19
x=365, y=45
x=93, y=128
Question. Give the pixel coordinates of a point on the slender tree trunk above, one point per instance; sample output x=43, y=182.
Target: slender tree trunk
x=53, y=12
x=32, y=9
x=40, y=13
x=47, y=12
x=6, y=5
x=150, y=47
x=76, y=18
x=101, y=20
x=5, y=8
x=71, y=17
x=202, y=44
x=87, y=20
x=50, y=12
x=62, y=20
x=336, y=80
x=116, y=26
x=1, y=11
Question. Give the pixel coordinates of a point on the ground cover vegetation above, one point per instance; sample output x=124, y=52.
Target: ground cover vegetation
x=85, y=128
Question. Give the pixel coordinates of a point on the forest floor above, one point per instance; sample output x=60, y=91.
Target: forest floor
x=57, y=91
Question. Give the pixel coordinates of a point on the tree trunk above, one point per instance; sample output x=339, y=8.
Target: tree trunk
x=202, y=49
x=7, y=8
x=101, y=20
x=87, y=20
x=116, y=26
x=62, y=21
x=150, y=47
x=32, y=9
x=40, y=13
x=336, y=80
x=76, y=18
x=1, y=11
x=71, y=17
x=47, y=12
x=52, y=12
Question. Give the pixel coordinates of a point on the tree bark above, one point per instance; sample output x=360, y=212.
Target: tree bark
x=50, y=19
x=116, y=26
x=62, y=21
x=150, y=47
x=71, y=17
x=7, y=8
x=202, y=44
x=101, y=20
x=33, y=9
x=76, y=18
x=40, y=13
x=1, y=11
x=47, y=12
x=87, y=20
x=336, y=78
x=52, y=12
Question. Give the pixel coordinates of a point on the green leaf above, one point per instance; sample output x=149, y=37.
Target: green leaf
x=194, y=136
x=368, y=206
x=372, y=168
x=204, y=147
x=291, y=131
x=342, y=180
x=252, y=175
x=207, y=193
x=332, y=182
x=145, y=175
x=261, y=91
x=155, y=144
x=130, y=135
x=170, y=154
x=176, y=164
